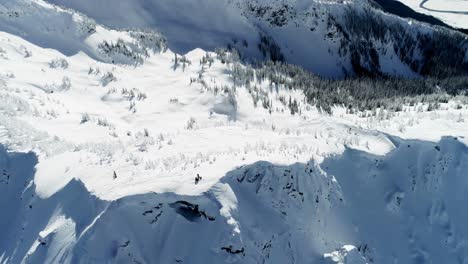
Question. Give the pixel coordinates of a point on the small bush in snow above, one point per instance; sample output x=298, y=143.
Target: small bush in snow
x=108, y=78
x=132, y=107
x=133, y=94
x=191, y=124
x=85, y=118
x=66, y=83
x=146, y=133
x=161, y=137
x=227, y=57
x=26, y=53
x=3, y=53
x=185, y=62
x=96, y=71
x=103, y=122
x=58, y=63
x=207, y=59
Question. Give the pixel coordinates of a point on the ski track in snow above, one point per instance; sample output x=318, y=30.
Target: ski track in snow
x=452, y=12
x=424, y=2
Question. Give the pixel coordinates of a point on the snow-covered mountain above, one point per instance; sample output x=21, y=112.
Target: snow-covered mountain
x=114, y=148
x=403, y=207
x=331, y=38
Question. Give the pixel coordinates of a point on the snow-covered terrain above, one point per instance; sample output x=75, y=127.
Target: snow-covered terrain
x=325, y=37
x=452, y=12
x=103, y=132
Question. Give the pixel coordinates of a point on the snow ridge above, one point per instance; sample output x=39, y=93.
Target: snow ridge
x=277, y=213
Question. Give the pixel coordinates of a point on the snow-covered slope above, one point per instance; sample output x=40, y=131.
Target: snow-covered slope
x=103, y=133
x=70, y=33
x=331, y=38
x=353, y=208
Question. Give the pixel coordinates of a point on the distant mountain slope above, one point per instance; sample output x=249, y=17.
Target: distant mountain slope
x=333, y=39
x=452, y=12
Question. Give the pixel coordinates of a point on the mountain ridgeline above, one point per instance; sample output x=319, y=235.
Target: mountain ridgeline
x=333, y=39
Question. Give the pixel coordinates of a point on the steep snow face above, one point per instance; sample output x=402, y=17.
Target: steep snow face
x=34, y=230
x=356, y=207
x=205, y=24
x=313, y=34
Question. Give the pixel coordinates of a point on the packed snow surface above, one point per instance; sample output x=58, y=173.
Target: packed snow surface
x=100, y=148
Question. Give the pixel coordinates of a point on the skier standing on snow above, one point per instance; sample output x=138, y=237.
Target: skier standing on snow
x=198, y=178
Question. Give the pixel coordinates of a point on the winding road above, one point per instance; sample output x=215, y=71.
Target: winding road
x=441, y=11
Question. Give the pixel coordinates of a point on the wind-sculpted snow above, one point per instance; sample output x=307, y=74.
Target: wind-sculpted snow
x=402, y=207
